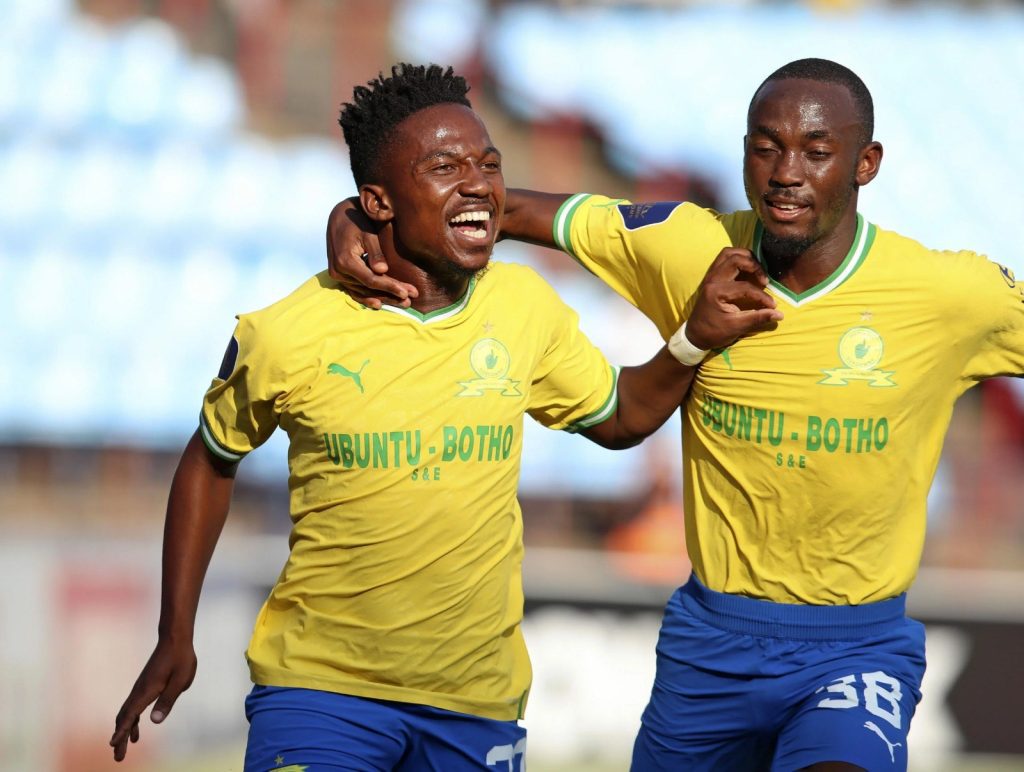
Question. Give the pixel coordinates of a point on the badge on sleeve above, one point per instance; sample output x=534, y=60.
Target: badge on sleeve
x=227, y=365
x=639, y=215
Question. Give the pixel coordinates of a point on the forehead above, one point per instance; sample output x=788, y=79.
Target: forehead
x=446, y=127
x=803, y=105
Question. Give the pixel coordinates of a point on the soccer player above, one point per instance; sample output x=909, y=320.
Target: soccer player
x=808, y=448
x=391, y=639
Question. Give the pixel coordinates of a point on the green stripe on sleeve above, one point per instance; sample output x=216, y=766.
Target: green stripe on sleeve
x=562, y=227
x=215, y=447
x=604, y=412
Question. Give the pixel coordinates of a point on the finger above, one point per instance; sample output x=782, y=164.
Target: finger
x=178, y=682
x=746, y=322
x=119, y=740
x=733, y=261
x=741, y=294
x=376, y=261
x=375, y=301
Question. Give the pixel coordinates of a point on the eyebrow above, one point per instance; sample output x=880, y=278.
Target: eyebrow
x=445, y=154
x=774, y=135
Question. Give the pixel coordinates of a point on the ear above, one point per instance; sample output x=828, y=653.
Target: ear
x=868, y=162
x=376, y=203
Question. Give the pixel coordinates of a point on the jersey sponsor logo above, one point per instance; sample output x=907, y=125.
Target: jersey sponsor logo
x=860, y=351
x=404, y=447
x=639, y=215
x=227, y=364
x=356, y=375
x=491, y=361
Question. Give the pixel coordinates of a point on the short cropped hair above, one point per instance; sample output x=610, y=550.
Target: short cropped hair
x=826, y=71
x=369, y=120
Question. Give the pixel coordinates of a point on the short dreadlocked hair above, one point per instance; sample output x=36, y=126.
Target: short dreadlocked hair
x=369, y=120
x=827, y=71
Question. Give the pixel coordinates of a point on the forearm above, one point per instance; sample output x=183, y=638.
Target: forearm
x=647, y=395
x=196, y=511
x=530, y=216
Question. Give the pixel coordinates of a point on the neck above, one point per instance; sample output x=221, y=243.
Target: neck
x=438, y=287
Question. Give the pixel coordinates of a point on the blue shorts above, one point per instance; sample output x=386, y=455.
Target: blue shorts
x=748, y=685
x=304, y=729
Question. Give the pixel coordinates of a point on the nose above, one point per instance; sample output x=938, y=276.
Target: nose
x=475, y=182
x=787, y=171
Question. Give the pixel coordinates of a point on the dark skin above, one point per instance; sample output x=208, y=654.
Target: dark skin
x=803, y=148
x=440, y=165
x=436, y=206
x=805, y=158
x=196, y=511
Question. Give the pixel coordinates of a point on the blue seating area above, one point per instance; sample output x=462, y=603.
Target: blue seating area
x=139, y=214
x=667, y=89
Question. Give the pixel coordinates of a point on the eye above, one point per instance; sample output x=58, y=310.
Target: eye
x=492, y=166
x=443, y=168
x=818, y=154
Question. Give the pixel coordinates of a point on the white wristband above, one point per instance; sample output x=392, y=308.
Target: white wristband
x=680, y=347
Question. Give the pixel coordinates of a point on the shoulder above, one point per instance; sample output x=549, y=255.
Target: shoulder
x=961, y=276
x=299, y=315
x=514, y=274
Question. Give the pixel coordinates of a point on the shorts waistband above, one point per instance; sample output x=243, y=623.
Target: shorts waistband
x=751, y=616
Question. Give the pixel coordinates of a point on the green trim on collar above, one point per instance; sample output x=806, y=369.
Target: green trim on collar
x=439, y=313
x=863, y=239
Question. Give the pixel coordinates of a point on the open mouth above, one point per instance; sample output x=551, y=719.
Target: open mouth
x=785, y=211
x=473, y=225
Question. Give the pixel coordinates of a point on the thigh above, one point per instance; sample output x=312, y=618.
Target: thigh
x=700, y=752
x=708, y=708
x=858, y=710
x=305, y=729
x=446, y=741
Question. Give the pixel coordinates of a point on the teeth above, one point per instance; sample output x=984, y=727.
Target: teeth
x=471, y=217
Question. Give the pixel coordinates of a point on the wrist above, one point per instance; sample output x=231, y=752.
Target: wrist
x=680, y=346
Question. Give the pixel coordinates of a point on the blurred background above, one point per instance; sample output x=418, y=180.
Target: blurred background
x=166, y=164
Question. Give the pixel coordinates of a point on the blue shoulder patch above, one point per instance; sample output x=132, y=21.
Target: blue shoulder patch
x=1007, y=275
x=227, y=365
x=638, y=215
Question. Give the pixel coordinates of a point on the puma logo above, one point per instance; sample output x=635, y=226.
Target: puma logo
x=336, y=369
x=874, y=728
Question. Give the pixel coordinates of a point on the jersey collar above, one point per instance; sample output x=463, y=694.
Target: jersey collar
x=438, y=314
x=862, y=241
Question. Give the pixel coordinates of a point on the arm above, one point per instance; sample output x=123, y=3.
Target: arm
x=530, y=216
x=196, y=511
x=355, y=260
x=731, y=302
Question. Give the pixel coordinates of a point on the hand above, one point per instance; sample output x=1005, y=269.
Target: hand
x=731, y=301
x=167, y=674
x=355, y=260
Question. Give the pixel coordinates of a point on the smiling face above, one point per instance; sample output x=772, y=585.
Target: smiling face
x=441, y=193
x=804, y=158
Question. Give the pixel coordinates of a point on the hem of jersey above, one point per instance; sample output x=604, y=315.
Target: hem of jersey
x=604, y=412
x=508, y=711
x=213, y=446
x=437, y=314
x=863, y=239
x=562, y=225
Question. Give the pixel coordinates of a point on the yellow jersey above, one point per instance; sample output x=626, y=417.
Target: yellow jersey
x=405, y=433
x=809, y=449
